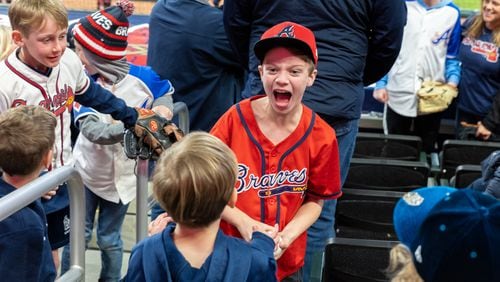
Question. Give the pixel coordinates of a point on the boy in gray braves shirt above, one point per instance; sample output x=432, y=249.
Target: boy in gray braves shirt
x=108, y=175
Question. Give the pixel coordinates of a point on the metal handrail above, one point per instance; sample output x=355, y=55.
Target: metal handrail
x=32, y=191
x=142, y=206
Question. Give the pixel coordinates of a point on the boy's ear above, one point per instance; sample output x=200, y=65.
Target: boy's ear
x=47, y=159
x=260, y=70
x=233, y=199
x=17, y=38
x=312, y=77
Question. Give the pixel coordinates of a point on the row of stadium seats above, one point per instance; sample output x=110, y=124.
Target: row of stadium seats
x=383, y=168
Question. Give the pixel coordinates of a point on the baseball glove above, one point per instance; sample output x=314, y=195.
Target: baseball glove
x=151, y=135
x=435, y=96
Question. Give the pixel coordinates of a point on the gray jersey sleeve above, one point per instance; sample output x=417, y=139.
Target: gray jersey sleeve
x=99, y=132
x=165, y=100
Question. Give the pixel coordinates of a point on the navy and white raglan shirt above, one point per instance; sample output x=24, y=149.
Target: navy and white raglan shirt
x=480, y=72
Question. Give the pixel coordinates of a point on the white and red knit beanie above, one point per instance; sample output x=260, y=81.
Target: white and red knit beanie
x=105, y=32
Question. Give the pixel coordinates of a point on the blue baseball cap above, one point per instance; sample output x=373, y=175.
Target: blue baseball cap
x=458, y=238
x=411, y=210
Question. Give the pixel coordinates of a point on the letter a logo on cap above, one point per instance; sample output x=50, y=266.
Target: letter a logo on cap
x=287, y=32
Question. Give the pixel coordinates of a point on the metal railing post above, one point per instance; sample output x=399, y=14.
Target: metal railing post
x=142, y=206
x=32, y=191
x=142, y=200
x=181, y=110
x=77, y=233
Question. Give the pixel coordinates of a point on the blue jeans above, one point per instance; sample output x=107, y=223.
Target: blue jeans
x=322, y=230
x=109, y=225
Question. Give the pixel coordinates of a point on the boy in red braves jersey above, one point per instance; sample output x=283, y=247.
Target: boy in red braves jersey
x=287, y=155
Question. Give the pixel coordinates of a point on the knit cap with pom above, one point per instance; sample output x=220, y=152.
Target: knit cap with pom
x=105, y=32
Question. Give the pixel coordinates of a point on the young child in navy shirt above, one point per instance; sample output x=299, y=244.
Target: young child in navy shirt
x=194, y=181
x=26, y=144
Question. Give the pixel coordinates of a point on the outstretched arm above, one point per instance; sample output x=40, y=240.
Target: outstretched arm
x=244, y=223
x=100, y=132
x=105, y=102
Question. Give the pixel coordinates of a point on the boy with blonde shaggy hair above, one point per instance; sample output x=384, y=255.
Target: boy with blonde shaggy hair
x=26, y=143
x=194, y=181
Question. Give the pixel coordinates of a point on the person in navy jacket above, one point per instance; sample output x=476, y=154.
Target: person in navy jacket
x=188, y=46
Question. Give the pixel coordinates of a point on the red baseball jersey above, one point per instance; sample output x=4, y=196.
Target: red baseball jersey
x=274, y=179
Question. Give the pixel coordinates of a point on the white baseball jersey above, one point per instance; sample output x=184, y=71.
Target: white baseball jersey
x=22, y=85
x=424, y=50
x=105, y=169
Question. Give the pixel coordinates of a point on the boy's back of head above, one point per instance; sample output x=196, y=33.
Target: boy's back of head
x=194, y=179
x=27, y=14
x=26, y=136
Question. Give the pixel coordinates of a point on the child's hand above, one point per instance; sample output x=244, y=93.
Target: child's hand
x=211, y=3
x=271, y=233
x=157, y=225
x=482, y=132
x=247, y=226
x=163, y=111
x=50, y=194
x=381, y=95
x=282, y=243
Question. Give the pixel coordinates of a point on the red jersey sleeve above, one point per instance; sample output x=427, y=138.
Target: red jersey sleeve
x=324, y=178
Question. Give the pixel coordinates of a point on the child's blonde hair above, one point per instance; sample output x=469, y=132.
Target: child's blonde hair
x=478, y=25
x=401, y=267
x=195, y=178
x=27, y=14
x=26, y=136
x=6, y=45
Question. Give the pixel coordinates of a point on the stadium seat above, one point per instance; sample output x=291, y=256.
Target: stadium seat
x=366, y=214
x=356, y=260
x=388, y=175
x=465, y=175
x=388, y=146
x=462, y=152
